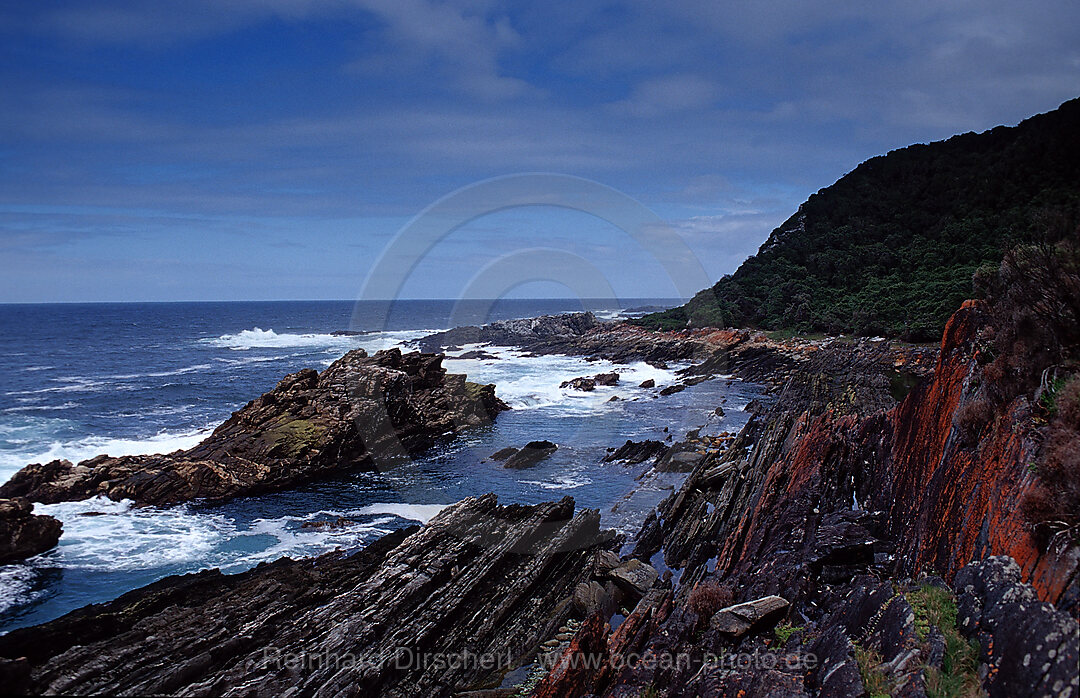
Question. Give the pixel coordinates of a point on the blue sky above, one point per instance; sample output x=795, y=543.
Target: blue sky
x=266, y=149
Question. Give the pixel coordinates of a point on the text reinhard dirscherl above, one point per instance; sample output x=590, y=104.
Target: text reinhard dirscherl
x=405, y=659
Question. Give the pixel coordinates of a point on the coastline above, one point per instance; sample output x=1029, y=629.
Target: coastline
x=783, y=510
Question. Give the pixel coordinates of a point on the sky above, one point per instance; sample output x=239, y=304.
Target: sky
x=273, y=149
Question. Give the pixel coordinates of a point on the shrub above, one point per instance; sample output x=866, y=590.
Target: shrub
x=1053, y=502
x=971, y=418
x=709, y=597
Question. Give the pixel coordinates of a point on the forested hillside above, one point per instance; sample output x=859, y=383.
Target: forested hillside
x=892, y=246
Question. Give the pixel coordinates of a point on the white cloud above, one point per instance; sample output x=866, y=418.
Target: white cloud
x=668, y=94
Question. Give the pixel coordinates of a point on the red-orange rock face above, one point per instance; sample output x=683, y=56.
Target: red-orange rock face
x=949, y=502
x=946, y=500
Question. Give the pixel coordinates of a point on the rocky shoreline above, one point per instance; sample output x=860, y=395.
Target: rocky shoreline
x=846, y=542
x=363, y=412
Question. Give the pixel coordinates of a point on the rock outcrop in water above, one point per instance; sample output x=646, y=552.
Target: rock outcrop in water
x=360, y=412
x=24, y=534
x=421, y=612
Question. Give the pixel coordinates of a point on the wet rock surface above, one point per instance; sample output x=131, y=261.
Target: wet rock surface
x=530, y=454
x=633, y=452
x=360, y=411
x=24, y=534
x=524, y=332
x=480, y=578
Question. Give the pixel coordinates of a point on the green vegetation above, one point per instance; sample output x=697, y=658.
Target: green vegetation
x=875, y=681
x=1049, y=398
x=957, y=677
x=892, y=247
x=785, y=630
x=296, y=436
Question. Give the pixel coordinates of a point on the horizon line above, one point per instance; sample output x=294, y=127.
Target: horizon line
x=339, y=300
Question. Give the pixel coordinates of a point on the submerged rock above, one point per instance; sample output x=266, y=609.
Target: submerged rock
x=633, y=452
x=531, y=454
x=503, y=453
x=585, y=385
x=361, y=412
x=24, y=534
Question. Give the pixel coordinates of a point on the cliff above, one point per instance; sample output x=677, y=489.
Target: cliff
x=859, y=512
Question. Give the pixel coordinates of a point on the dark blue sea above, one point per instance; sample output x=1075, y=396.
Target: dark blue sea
x=80, y=380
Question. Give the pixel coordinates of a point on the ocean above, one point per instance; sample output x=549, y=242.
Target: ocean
x=80, y=380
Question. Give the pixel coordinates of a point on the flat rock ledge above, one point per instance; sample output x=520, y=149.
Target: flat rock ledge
x=430, y=611
x=361, y=412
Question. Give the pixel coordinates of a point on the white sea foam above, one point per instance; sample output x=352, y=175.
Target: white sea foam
x=530, y=382
x=40, y=408
x=563, y=481
x=259, y=338
x=414, y=512
x=100, y=534
x=74, y=451
x=295, y=541
x=158, y=374
x=16, y=584
x=72, y=385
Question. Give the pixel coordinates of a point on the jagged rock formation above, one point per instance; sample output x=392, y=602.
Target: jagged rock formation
x=587, y=384
x=743, y=353
x=360, y=411
x=480, y=580
x=832, y=526
x=821, y=500
x=24, y=534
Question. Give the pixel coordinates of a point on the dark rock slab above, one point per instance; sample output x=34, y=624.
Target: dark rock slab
x=634, y=577
x=24, y=534
x=479, y=580
x=523, y=332
x=531, y=454
x=608, y=379
x=633, y=452
x=740, y=619
x=584, y=384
